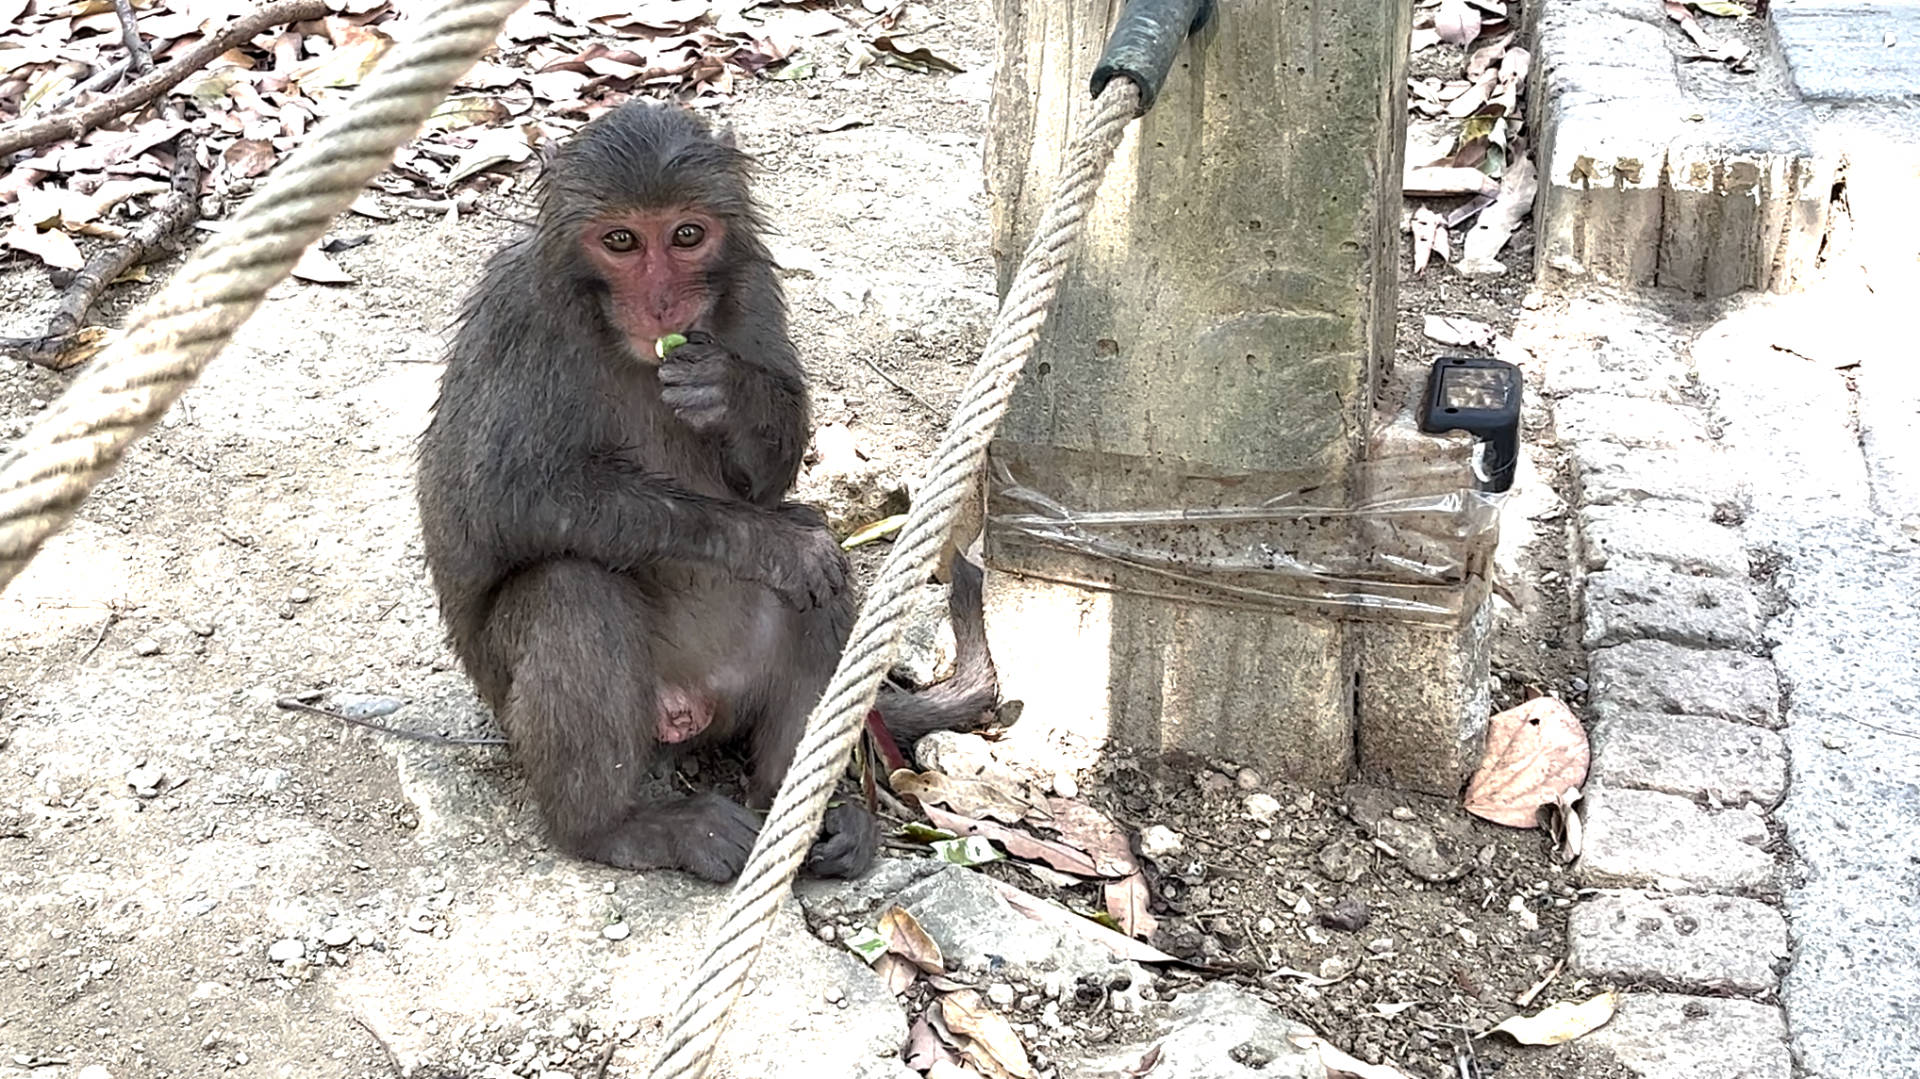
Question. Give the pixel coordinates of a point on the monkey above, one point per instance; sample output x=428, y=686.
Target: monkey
x=605, y=527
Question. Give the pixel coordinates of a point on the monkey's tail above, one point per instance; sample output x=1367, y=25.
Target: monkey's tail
x=965, y=701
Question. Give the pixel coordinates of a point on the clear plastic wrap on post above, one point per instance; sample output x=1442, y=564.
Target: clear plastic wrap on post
x=1406, y=537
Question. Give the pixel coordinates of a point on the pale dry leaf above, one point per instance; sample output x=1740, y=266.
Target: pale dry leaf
x=1423, y=38
x=993, y=1046
x=1441, y=181
x=1534, y=753
x=1059, y=917
x=487, y=75
x=1018, y=843
x=1476, y=96
x=1457, y=21
x=1562, y=1022
x=460, y=112
x=1126, y=901
x=319, y=269
x=1734, y=53
x=492, y=146
x=972, y=798
x=1426, y=227
x=347, y=65
x=53, y=247
x=1092, y=831
x=899, y=974
x=1343, y=1065
x=1488, y=55
x=924, y=1047
x=248, y=157
x=1455, y=330
x=1480, y=251
x=907, y=940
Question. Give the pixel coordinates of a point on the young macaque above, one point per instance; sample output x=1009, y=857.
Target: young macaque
x=601, y=491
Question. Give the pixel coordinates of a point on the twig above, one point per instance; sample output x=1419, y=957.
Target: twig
x=74, y=123
x=106, y=627
x=1527, y=997
x=386, y=1047
x=137, y=52
x=99, y=80
x=291, y=704
x=169, y=216
x=902, y=387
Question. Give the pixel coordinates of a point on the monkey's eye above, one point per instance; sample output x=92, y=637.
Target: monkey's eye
x=618, y=240
x=688, y=236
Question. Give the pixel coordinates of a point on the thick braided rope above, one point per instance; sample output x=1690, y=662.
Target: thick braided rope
x=173, y=336
x=836, y=722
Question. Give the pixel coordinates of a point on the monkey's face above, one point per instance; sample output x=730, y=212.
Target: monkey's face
x=659, y=267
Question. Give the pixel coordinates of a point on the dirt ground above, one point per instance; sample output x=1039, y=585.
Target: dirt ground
x=163, y=825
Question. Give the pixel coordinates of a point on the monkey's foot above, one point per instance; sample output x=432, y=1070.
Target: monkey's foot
x=849, y=838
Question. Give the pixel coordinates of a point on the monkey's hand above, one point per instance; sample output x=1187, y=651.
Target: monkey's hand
x=698, y=382
x=804, y=563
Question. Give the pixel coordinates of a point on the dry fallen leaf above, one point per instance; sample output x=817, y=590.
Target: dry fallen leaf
x=1735, y=53
x=1126, y=901
x=899, y=974
x=1440, y=181
x=968, y=797
x=1454, y=330
x=1092, y=831
x=1341, y=1065
x=1535, y=752
x=1563, y=1022
x=1059, y=917
x=1480, y=251
x=53, y=247
x=994, y=1047
x=907, y=940
x=1018, y=843
x=492, y=146
x=1457, y=21
x=319, y=269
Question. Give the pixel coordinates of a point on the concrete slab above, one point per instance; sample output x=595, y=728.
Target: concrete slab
x=1698, y=482
x=1850, y=50
x=1671, y=538
x=1700, y=943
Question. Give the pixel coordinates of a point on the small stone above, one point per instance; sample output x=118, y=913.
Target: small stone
x=617, y=931
x=1064, y=786
x=1249, y=779
x=1380, y=945
x=1213, y=784
x=339, y=936
x=1000, y=993
x=828, y=932
x=1334, y=966
x=1262, y=807
x=1265, y=925
x=197, y=907
x=434, y=885
x=1159, y=841
x=1349, y=915
x=299, y=595
x=146, y=646
x=145, y=781
x=1403, y=813
x=833, y=994
x=1263, y=834
x=1533, y=301
x=100, y=968
x=286, y=950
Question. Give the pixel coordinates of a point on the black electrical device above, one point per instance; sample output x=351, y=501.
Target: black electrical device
x=1481, y=397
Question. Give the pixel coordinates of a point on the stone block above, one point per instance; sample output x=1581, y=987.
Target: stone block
x=1738, y=213
x=1692, y=756
x=965, y=914
x=1670, y=538
x=1654, y=676
x=1635, y=601
x=1634, y=360
x=1423, y=702
x=1628, y=421
x=1671, y=1036
x=1699, y=480
x=1700, y=943
x=1638, y=839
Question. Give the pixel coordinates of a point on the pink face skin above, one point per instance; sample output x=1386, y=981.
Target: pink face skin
x=655, y=262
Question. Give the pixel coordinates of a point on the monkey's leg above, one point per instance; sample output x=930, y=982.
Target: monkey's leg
x=811, y=643
x=583, y=715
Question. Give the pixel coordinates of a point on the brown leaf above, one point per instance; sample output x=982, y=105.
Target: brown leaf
x=1562, y=1022
x=968, y=797
x=899, y=974
x=1059, y=917
x=993, y=1047
x=1457, y=21
x=1089, y=829
x=1481, y=248
x=458, y=112
x=1127, y=904
x=346, y=65
x=1018, y=843
x=53, y=247
x=249, y=157
x=1454, y=330
x=924, y=1047
x=1534, y=753
x=919, y=59
x=1487, y=55
x=907, y=940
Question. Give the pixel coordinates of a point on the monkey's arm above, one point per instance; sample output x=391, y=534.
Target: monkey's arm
x=752, y=405
x=610, y=512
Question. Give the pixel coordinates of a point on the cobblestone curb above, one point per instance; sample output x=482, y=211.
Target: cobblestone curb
x=1684, y=711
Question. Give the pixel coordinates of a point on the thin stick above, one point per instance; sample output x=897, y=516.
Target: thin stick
x=293, y=705
x=902, y=387
x=74, y=123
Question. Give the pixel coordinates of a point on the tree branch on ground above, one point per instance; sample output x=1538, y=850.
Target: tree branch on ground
x=25, y=134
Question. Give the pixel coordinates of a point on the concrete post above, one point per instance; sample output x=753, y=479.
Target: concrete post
x=1217, y=342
